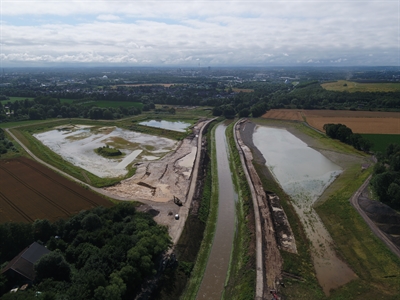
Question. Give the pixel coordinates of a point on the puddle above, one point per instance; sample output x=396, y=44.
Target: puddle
x=175, y=126
x=76, y=144
x=304, y=174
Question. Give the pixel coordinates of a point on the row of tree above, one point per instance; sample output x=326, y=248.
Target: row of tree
x=386, y=177
x=104, y=253
x=345, y=134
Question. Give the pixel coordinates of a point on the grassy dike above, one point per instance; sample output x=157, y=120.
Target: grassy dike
x=240, y=282
x=377, y=268
x=197, y=273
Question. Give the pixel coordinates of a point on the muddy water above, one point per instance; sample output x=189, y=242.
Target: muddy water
x=218, y=262
x=304, y=174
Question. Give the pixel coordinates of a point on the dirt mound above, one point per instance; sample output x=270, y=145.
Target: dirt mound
x=379, y=212
x=386, y=218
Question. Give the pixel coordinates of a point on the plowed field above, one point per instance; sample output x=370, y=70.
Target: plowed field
x=359, y=121
x=30, y=191
x=284, y=114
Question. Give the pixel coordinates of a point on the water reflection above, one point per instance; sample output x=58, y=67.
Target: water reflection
x=175, y=126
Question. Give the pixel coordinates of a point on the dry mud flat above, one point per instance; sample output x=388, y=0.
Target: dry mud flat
x=156, y=183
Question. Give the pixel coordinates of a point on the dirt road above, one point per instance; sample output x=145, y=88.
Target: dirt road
x=381, y=235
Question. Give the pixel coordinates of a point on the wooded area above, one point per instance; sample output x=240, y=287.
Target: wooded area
x=103, y=253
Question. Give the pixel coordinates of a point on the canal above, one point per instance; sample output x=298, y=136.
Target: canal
x=213, y=281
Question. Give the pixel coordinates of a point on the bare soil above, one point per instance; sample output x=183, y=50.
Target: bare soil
x=359, y=121
x=30, y=191
x=155, y=183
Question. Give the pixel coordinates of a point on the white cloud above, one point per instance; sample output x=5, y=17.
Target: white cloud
x=108, y=18
x=217, y=32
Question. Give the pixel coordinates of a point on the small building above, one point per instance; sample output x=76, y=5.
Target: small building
x=21, y=268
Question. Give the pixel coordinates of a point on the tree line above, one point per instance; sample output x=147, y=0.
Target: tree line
x=345, y=135
x=43, y=107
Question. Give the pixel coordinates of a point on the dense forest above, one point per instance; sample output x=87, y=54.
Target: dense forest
x=103, y=253
x=385, y=181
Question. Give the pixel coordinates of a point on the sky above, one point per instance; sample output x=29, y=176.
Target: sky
x=200, y=33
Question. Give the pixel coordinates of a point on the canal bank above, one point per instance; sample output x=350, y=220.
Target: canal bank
x=215, y=274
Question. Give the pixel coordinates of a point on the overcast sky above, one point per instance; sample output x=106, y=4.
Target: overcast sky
x=200, y=33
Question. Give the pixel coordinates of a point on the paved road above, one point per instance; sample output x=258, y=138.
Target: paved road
x=381, y=235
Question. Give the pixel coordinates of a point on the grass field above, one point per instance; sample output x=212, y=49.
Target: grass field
x=350, y=86
x=381, y=141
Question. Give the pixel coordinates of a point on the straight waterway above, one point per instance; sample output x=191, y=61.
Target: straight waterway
x=213, y=281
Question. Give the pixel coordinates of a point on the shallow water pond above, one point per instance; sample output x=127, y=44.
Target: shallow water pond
x=304, y=174
x=175, y=126
x=77, y=144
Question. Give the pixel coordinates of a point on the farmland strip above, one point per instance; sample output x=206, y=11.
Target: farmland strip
x=36, y=191
x=15, y=207
x=59, y=183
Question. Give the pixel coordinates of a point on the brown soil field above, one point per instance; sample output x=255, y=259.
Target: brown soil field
x=284, y=114
x=359, y=121
x=30, y=191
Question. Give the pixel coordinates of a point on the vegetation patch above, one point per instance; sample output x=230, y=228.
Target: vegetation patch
x=107, y=151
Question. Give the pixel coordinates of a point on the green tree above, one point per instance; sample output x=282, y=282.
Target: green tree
x=53, y=265
x=42, y=230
